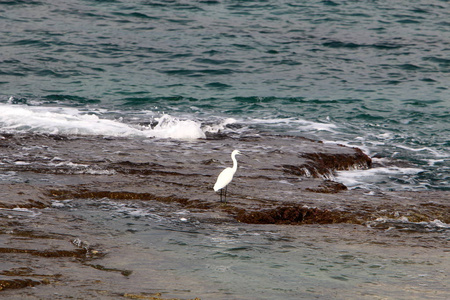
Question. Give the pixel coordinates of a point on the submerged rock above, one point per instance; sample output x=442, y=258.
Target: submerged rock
x=18, y=283
x=296, y=215
x=276, y=172
x=281, y=180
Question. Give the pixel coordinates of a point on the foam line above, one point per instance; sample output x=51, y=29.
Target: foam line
x=69, y=121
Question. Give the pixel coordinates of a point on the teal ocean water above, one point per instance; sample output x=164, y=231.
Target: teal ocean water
x=371, y=74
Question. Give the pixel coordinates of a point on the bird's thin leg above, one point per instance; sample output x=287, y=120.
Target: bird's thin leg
x=226, y=194
x=221, y=191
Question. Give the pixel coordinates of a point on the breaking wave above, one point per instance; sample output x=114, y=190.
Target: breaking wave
x=71, y=121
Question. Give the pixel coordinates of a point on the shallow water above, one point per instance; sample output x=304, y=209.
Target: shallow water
x=173, y=252
x=176, y=238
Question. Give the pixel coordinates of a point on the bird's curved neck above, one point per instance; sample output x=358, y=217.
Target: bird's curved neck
x=233, y=157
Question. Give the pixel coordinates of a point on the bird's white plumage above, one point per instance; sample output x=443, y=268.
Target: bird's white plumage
x=226, y=175
x=224, y=179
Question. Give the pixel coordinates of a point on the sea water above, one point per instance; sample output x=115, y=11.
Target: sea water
x=171, y=252
x=369, y=74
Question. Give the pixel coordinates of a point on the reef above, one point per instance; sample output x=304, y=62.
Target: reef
x=18, y=283
x=277, y=175
x=281, y=180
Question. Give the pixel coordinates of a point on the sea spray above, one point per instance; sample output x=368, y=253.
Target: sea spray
x=70, y=121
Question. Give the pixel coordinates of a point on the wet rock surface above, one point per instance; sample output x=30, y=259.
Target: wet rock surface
x=277, y=172
x=280, y=180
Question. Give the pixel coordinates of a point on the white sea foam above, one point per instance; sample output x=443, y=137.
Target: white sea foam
x=440, y=224
x=404, y=222
x=21, y=163
x=70, y=121
x=58, y=204
x=170, y=127
x=29, y=212
x=435, y=152
x=433, y=162
x=365, y=149
x=220, y=125
x=369, y=177
x=300, y=124
x=68, y=164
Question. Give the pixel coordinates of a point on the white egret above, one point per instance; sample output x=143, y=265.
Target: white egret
x=226, y=176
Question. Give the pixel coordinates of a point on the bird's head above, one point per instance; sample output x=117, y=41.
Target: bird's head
x=236, y=152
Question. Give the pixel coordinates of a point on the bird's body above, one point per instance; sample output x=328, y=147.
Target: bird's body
x=226, y=176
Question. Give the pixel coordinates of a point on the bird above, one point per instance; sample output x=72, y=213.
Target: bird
x=226, y=176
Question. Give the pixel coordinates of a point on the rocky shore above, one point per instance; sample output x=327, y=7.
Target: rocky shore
x=280, y=180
